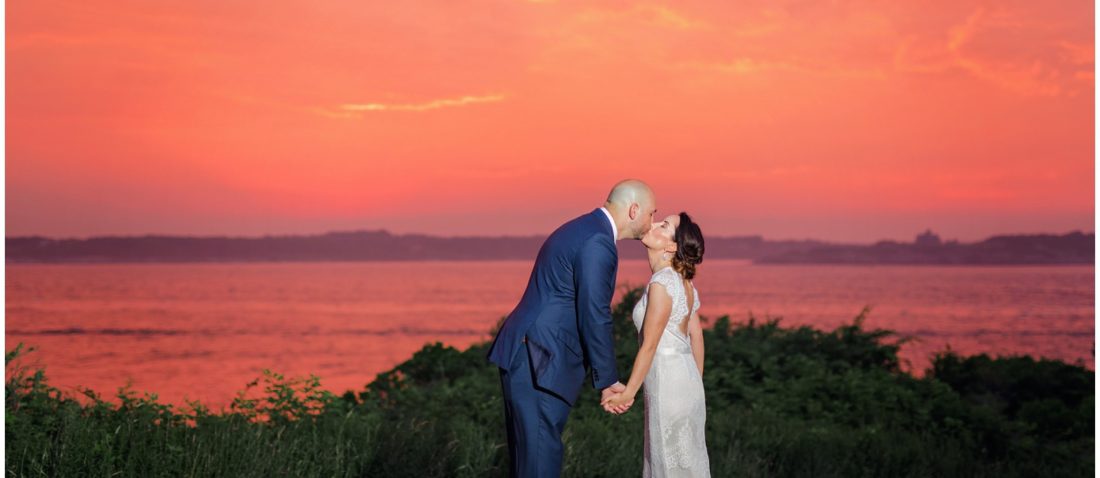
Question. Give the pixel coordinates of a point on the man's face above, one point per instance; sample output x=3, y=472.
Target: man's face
x=647, y=209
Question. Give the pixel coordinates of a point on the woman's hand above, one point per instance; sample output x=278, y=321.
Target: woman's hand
x=618, y=403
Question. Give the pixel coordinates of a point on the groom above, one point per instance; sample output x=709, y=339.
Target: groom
x=563, y=324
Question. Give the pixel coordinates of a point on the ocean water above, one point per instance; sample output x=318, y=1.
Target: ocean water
x=202, y=331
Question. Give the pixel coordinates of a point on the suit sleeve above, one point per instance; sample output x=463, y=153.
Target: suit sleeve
x=595, y=269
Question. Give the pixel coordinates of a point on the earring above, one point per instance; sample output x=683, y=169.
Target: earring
x=666, y=256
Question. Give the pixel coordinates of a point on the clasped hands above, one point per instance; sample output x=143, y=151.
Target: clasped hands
x=615, y=400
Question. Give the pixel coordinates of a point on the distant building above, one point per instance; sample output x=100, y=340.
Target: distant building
x=928, y=238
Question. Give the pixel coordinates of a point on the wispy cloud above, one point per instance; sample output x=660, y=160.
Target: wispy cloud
x=427, y=106
x=672, y=18
x=749, y=66
x=1050, y=72
x=356, y=110
x=646, y=15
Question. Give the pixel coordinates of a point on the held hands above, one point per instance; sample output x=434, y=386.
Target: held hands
x=615, y=400
x=618, y=403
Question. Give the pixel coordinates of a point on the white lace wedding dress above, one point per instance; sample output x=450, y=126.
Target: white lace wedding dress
x=675, y=408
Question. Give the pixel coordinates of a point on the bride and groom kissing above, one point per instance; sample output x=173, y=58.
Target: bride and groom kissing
x=562, y=326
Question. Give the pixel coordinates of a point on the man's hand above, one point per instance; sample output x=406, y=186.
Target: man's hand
x=615, y=390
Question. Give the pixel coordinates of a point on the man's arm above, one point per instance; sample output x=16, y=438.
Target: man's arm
x=594, y=274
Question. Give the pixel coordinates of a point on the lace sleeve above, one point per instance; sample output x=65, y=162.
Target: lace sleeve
x=667, y=278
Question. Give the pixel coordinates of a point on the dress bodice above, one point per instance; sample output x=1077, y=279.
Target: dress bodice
x=674, y=285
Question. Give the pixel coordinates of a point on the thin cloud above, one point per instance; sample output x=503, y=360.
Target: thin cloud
x=1035, y=76
x=428, y=106
x=648, y=15
x=750, y=66
x=672, y=18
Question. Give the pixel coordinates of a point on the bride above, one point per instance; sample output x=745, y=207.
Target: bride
x=670, y=359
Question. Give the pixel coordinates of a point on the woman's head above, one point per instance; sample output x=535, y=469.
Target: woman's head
x=689, y=246
x=679, y=238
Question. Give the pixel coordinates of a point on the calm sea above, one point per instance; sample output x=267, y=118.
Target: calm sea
x=202, y=331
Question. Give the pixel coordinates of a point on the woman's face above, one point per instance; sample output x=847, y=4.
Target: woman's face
x=662, y=235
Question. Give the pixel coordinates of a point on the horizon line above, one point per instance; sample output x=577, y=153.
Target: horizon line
x=500, y=236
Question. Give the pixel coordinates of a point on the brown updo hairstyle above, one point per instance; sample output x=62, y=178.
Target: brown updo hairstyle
x=689, y=247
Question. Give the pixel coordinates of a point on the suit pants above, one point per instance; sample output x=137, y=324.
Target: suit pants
x=535, y=419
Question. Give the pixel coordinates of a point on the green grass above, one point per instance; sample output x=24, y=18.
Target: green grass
x=782, y=402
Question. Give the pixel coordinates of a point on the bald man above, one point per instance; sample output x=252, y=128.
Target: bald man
x=563, y=325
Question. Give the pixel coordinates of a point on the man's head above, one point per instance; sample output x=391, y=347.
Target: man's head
x=632, y=204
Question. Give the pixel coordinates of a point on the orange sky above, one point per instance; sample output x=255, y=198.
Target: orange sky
x=846, y=120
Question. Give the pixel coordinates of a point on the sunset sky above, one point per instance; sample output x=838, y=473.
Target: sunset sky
x=844, y=120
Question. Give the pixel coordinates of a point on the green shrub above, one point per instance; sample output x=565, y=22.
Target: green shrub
x=789, y=402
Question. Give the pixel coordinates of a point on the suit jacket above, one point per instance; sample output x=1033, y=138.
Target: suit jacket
x=565, y=313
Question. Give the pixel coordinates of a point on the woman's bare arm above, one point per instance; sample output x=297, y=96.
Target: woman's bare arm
x=658, y=309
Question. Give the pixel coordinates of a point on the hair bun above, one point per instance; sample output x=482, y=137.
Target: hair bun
x=692, y=253
x=689, y=246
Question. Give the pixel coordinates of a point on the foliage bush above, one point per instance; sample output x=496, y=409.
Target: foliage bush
x=781, y=401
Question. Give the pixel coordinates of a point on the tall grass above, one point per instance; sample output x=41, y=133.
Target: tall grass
x=781, y=401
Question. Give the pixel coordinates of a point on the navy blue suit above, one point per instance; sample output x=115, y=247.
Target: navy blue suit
x=561, y=325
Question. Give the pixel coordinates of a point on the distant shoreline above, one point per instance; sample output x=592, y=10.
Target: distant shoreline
x=1075, y=248
x=395, y=261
